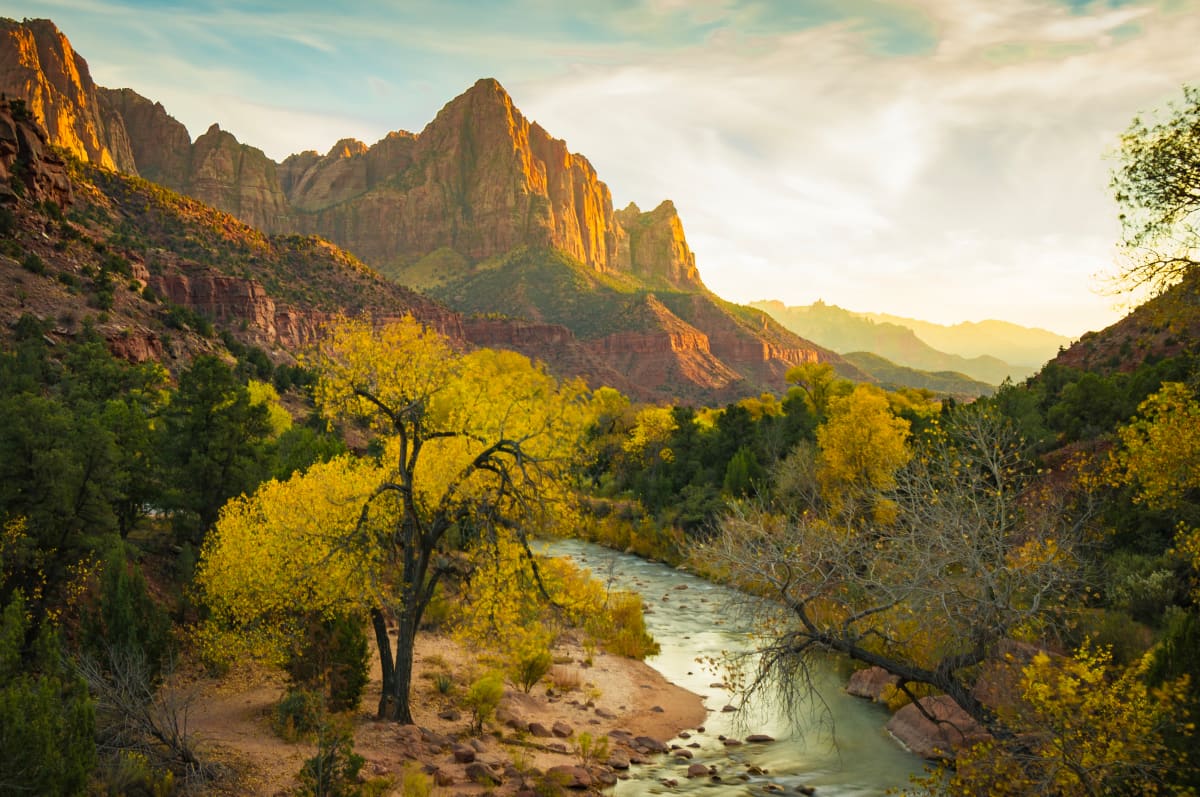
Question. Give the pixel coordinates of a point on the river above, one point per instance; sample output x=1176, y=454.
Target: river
x=837, y=745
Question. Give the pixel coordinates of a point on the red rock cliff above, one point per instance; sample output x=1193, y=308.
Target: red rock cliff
x=38, y=65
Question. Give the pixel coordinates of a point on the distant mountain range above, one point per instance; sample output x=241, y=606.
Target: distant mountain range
x=511, y=239
x=483, y=209
x=987, y=351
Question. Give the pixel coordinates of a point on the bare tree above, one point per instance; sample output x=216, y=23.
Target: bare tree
x=976, y=553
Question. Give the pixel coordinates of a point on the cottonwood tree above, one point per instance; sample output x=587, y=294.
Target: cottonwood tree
x=972, y=556
x=471, y=444
x=1158, y=188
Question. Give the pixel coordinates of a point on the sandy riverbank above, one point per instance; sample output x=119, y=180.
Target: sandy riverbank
x=232, y=719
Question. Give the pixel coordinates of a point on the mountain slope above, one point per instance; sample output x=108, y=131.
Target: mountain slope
x=458, y=209
x=943, y=383
x=844, y=331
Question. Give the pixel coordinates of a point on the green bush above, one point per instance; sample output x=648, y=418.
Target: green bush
x=334, y=770
x=33, y=264
x=528, y=667
x=298, y=715
x=332, y=656
x=47, y=719
x=483, y=698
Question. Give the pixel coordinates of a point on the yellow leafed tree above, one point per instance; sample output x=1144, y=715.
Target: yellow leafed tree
x=472, y=443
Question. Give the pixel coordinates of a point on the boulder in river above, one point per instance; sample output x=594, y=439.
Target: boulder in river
x=954, y=729
x=871, y=683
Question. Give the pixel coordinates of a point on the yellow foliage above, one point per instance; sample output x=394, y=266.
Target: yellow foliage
x=862, y=445
x=265, y=393
x=1160, y=452
x=292, y=546
x=1088, y=727
x=651, y=430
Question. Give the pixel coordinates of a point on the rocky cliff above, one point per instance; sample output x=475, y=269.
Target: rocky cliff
x=483, y=207
x=38, y=65
x=28, y=169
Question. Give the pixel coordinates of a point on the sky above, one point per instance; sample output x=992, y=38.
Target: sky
x=946, y=160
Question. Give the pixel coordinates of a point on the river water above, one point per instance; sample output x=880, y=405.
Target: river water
x=837, y=745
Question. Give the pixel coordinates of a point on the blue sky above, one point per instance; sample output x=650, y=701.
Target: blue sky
x=942, y=159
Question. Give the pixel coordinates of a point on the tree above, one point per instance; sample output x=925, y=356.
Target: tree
x=820, y=385
x=1158, y=187
x=47, y=720
x=972, y=557
x=1088, y=728
x=213, y=436
x=472, y=444
x=862, y=445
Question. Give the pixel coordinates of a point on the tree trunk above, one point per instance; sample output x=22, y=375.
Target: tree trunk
x=401, y=710
x=386, y=666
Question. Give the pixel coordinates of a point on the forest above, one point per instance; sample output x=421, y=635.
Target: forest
x=1033, y=555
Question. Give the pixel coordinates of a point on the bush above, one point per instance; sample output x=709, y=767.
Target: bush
x=528, y=667
x=47, y=720
x=334, y=770
x=483, y=698
x=298, y=715
x=622, y=627
x=332, y=657
x=33, y=264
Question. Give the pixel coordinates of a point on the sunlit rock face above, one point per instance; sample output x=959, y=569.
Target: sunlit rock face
x=38, y=65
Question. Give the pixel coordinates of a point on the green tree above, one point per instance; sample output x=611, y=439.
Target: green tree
x=1158, y=188
x=213, y=444
x=47, y=721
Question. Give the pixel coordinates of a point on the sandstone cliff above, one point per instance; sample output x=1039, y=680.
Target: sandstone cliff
x=28, y=169
x=483, y=208
x=658, y=251
x=38, y=65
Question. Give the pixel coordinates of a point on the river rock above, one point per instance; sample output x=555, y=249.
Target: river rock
x=650, y=744
x=683, y=753
x=759, y=738
x=954, y=730
x=729, y=709
x=697, y=771
x=483, y=774
x=570, y=777
x=618, y=760
x=871, y=683
x=732, y=742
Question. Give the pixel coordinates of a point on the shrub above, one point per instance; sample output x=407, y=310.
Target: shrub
x=334, y=770
x=33, y=264
x=483, y=698
x=47, y=720
x=332, y=657
x=529, y=666
x=591, y=750
x=298, y=715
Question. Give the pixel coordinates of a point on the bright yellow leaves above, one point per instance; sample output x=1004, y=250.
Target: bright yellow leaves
x=292, y=546
x=1160, y=452
x=367, y=372
x=1089, y=727
x=862, y=446
x=651, y=430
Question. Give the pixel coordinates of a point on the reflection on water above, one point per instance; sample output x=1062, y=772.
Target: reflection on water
x=837, y=745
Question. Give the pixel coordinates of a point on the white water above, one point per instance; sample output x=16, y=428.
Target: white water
x=837, y=744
